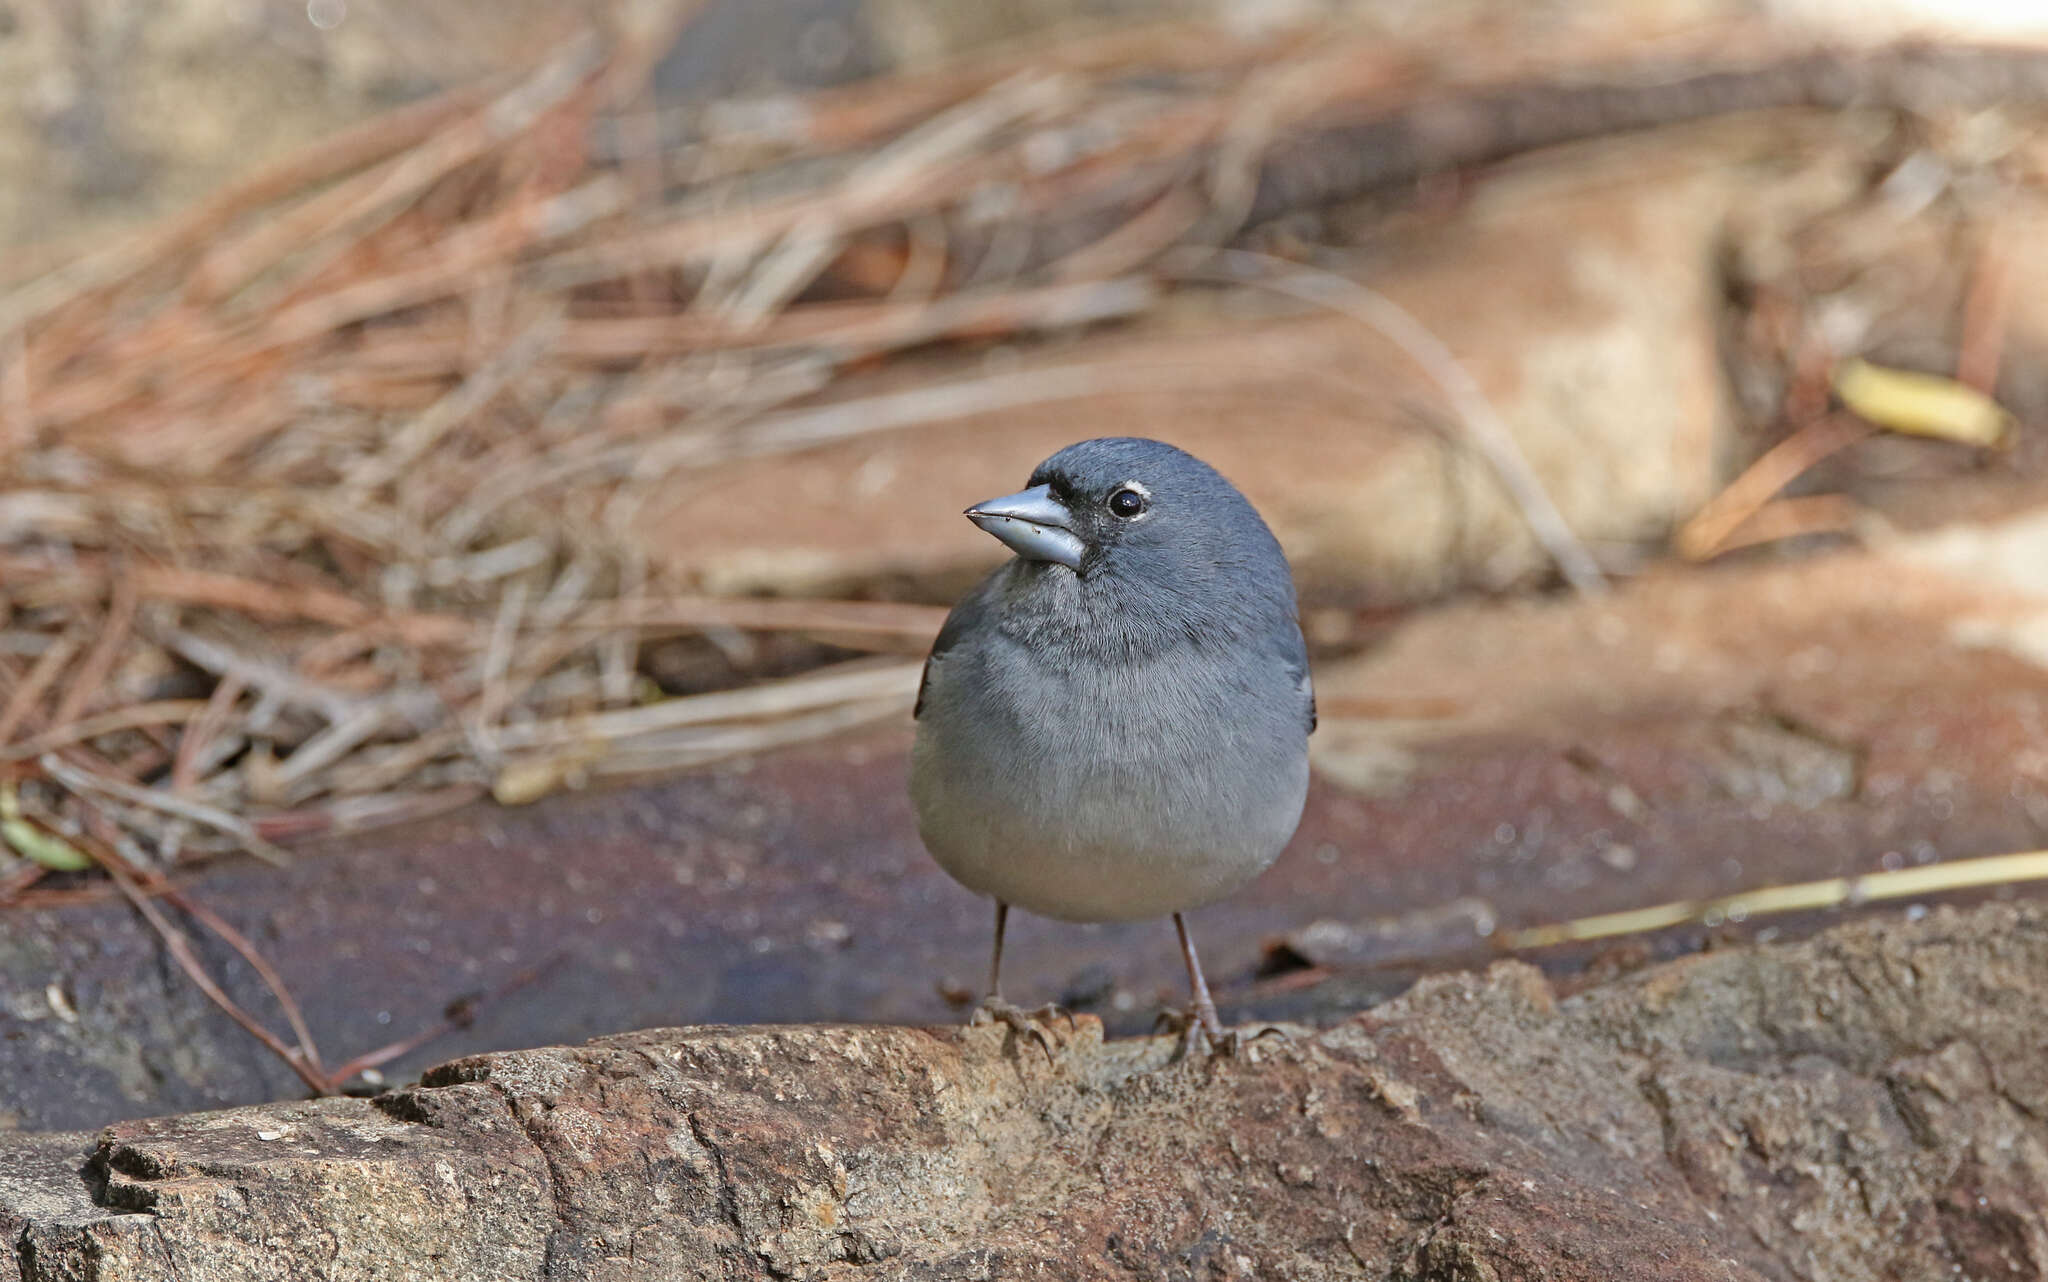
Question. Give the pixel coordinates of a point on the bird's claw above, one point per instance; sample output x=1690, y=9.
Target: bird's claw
x=1035, y=1024
x=1197, y=1032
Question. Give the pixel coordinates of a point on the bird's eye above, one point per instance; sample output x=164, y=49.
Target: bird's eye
x=1126, y=503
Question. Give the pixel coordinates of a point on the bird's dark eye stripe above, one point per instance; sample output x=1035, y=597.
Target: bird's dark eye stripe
x=1061, y=488
x=1126, y=503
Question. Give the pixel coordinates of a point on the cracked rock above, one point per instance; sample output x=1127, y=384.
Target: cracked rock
x=1868, y=1103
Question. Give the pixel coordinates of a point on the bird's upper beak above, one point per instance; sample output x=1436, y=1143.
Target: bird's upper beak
x=1033, y=524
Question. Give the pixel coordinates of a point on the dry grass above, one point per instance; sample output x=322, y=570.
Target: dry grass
x=315, y=500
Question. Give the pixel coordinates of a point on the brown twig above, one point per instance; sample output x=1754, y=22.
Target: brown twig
x=236, y=940
x=459, y=1014
x=165, y=712
x=202, y=733
x=90, y=677
x=1782, y=519
x=49, y=665
x=280, y=601
x=180, y=949
x=1986, y=312
x=1709, y=530
x=90, y=783
x=17, y=883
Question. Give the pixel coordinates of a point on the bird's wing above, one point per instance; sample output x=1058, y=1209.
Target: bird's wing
x=1293, y=653
x=966, y=616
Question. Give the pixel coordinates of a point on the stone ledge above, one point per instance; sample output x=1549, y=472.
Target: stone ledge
x=1872, y=1102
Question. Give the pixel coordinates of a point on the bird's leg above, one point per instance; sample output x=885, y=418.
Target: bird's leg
x=995, y=960
x=1201, y=1019
x=1200, y=1022
x=994, y=1010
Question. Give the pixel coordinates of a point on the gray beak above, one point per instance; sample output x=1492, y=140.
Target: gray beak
x=1034, y=525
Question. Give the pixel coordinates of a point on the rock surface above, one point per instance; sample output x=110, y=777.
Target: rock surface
x=1338, y=438
x=1869, y=1103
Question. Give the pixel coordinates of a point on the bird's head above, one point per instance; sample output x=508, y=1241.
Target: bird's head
x=1140, y=513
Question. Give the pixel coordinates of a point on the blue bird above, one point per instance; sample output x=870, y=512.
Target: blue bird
x=1114, y=724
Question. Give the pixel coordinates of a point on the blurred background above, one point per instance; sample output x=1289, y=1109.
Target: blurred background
x=477, y=481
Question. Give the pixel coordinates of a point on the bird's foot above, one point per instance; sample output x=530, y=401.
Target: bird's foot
x=1201, y=1030
x=1035, y=1024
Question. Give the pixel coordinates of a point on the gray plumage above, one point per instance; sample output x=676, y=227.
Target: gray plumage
x=1114, y=725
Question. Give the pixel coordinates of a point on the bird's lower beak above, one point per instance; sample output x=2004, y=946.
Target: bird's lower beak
x=1034, y=525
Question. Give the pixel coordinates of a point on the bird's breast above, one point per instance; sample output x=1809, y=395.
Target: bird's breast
x=1108, y=791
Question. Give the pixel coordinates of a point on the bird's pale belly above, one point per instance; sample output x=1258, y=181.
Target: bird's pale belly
x=1107, y=840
